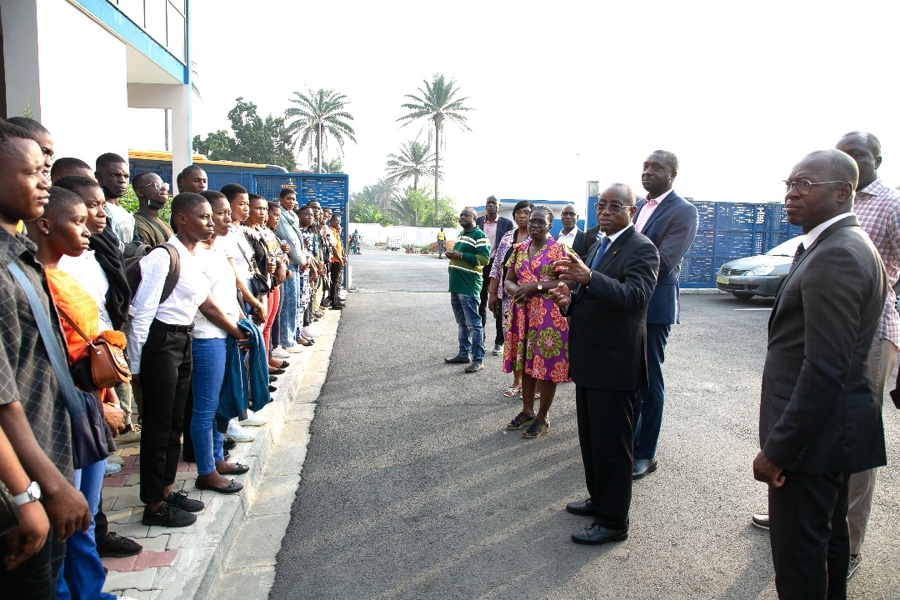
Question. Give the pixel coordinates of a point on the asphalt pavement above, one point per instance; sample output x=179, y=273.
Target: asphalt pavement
x=411, y=487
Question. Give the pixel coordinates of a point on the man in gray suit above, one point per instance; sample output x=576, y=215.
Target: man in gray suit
x=818, y=420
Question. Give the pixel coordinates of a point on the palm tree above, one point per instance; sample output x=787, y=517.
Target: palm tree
x=333, y=165
x=319, y=115
x=411, y=162
x=437, y=103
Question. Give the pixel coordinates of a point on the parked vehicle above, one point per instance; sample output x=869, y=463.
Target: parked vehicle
x=758, y=275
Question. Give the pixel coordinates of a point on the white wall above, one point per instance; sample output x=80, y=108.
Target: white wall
x=20, y=52
x=83, y=82
x=373, y=233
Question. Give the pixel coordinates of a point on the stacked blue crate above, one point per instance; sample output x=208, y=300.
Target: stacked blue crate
x=730, y=230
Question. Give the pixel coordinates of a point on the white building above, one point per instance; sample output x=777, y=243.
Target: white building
x=78, y=66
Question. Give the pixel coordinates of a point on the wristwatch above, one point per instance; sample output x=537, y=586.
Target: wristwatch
x=31, y=494
x=540, y=287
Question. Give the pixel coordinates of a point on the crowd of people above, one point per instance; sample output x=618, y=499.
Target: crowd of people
x=597, y=307
x=200, y=316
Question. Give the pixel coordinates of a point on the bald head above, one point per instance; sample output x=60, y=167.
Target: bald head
x=835, y=165
x=820, y=188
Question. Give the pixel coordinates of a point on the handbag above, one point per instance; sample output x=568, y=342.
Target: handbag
x=109, y=367
x=9, y=512
x=88, y=430
x=259, y=283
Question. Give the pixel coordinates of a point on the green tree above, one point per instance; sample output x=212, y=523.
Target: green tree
x=437, y=103
x=380, y=194
x=333, y=165
x=255, y=139
x=412, y=162
x=410, y=208
x=318, y=116
x=364, y=213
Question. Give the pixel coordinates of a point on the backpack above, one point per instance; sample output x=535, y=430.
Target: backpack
x=133, y=269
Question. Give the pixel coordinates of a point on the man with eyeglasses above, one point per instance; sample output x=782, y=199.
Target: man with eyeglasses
x=877, y=206
x=570, y=235
x=152, y=194
x=818, y=422
x=671, y=224
x=614, y=285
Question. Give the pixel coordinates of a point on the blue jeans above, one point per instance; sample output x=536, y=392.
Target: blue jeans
x=82, y=576
x=206, y=384
x=289, y=309
x=468, y=326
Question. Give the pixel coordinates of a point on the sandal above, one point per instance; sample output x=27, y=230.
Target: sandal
x=538, y=428
x=512, y=392
x=520, y=421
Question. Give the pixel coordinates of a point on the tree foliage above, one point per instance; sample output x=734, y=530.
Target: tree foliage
x=436, y=103
x=412, y=162
x=333, y=165
x=317, y=117
x=254, y=139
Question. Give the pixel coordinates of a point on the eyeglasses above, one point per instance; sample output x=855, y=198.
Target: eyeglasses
x=804, y=186
x=568, y=214
x=159, y=186
x=541, y=222
x=522, y=213
x=613, y=208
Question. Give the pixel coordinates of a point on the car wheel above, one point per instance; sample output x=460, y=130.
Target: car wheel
x=743, y=295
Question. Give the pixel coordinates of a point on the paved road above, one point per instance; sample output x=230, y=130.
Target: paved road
x=411, y=488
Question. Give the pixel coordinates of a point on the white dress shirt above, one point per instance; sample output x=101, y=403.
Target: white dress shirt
x=179, y=308
x=223, y=289
x=569, y=238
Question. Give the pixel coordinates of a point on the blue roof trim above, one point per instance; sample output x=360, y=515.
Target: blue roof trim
x=136, y=37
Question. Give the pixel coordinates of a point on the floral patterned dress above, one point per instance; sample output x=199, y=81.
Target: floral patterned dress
x=538, y=336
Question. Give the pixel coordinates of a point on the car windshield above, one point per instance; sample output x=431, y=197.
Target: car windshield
x=787, y=248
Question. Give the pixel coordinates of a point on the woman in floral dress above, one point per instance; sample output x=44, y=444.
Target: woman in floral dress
x=537, y=341
x=496, y=295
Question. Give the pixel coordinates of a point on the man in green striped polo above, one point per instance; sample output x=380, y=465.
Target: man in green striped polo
x=470, y=254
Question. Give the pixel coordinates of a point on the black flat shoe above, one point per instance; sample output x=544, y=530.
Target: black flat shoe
x=231, y=488
x=276, y=371
x=272, y=389
x=597, y=534
x=228, y=443
x=239, y=469
x=584, y=508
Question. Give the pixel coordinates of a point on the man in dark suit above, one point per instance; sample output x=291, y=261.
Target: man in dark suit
x=494, y=227
x=818, y=419
x=671, y=224
x=608, y=358
x=570, y=235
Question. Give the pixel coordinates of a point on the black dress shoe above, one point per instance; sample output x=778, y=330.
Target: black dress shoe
x=643, y=467
x=228, y=443
x=459, y=359
x=231, y=488
x=584, y=508
x=597, y=534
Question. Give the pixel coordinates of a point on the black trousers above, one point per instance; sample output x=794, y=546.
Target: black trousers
x=482, y=308
x=607, y=451
x=809, y=535
x=35, y=579
x=165, y=379
x=336, y=270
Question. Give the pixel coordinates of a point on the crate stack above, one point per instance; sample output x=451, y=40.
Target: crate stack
x=730, y=230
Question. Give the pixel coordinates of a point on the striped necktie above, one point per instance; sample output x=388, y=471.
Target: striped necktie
x=800, y=250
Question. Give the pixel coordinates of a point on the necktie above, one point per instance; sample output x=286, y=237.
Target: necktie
x=800, y=250
x=604, y=244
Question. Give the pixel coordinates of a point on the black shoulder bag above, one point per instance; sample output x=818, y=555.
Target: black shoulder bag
x=88, y=434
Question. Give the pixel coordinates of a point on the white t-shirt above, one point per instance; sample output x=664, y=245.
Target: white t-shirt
x=223, y=289
x=236, y=247
x=123, y=223
x=88, y=272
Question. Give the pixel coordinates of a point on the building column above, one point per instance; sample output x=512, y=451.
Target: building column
x=177, y=98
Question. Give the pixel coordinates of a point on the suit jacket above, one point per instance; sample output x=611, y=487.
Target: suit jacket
x=607, y=333
x=672, y=228
x=590, y=236
x=503, y=225
x=817, y=412
x=578, y=244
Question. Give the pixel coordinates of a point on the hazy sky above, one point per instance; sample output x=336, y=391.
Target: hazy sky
x=566, y=92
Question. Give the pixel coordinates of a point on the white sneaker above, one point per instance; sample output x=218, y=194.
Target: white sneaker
x=295, y=349
x=311, y=332
x=253, y=420
x=112, y=468
x=280, y=352
x=239, y=433
x=115, y=458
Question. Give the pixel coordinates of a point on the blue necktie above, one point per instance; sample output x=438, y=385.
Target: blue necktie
x=604, y=244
